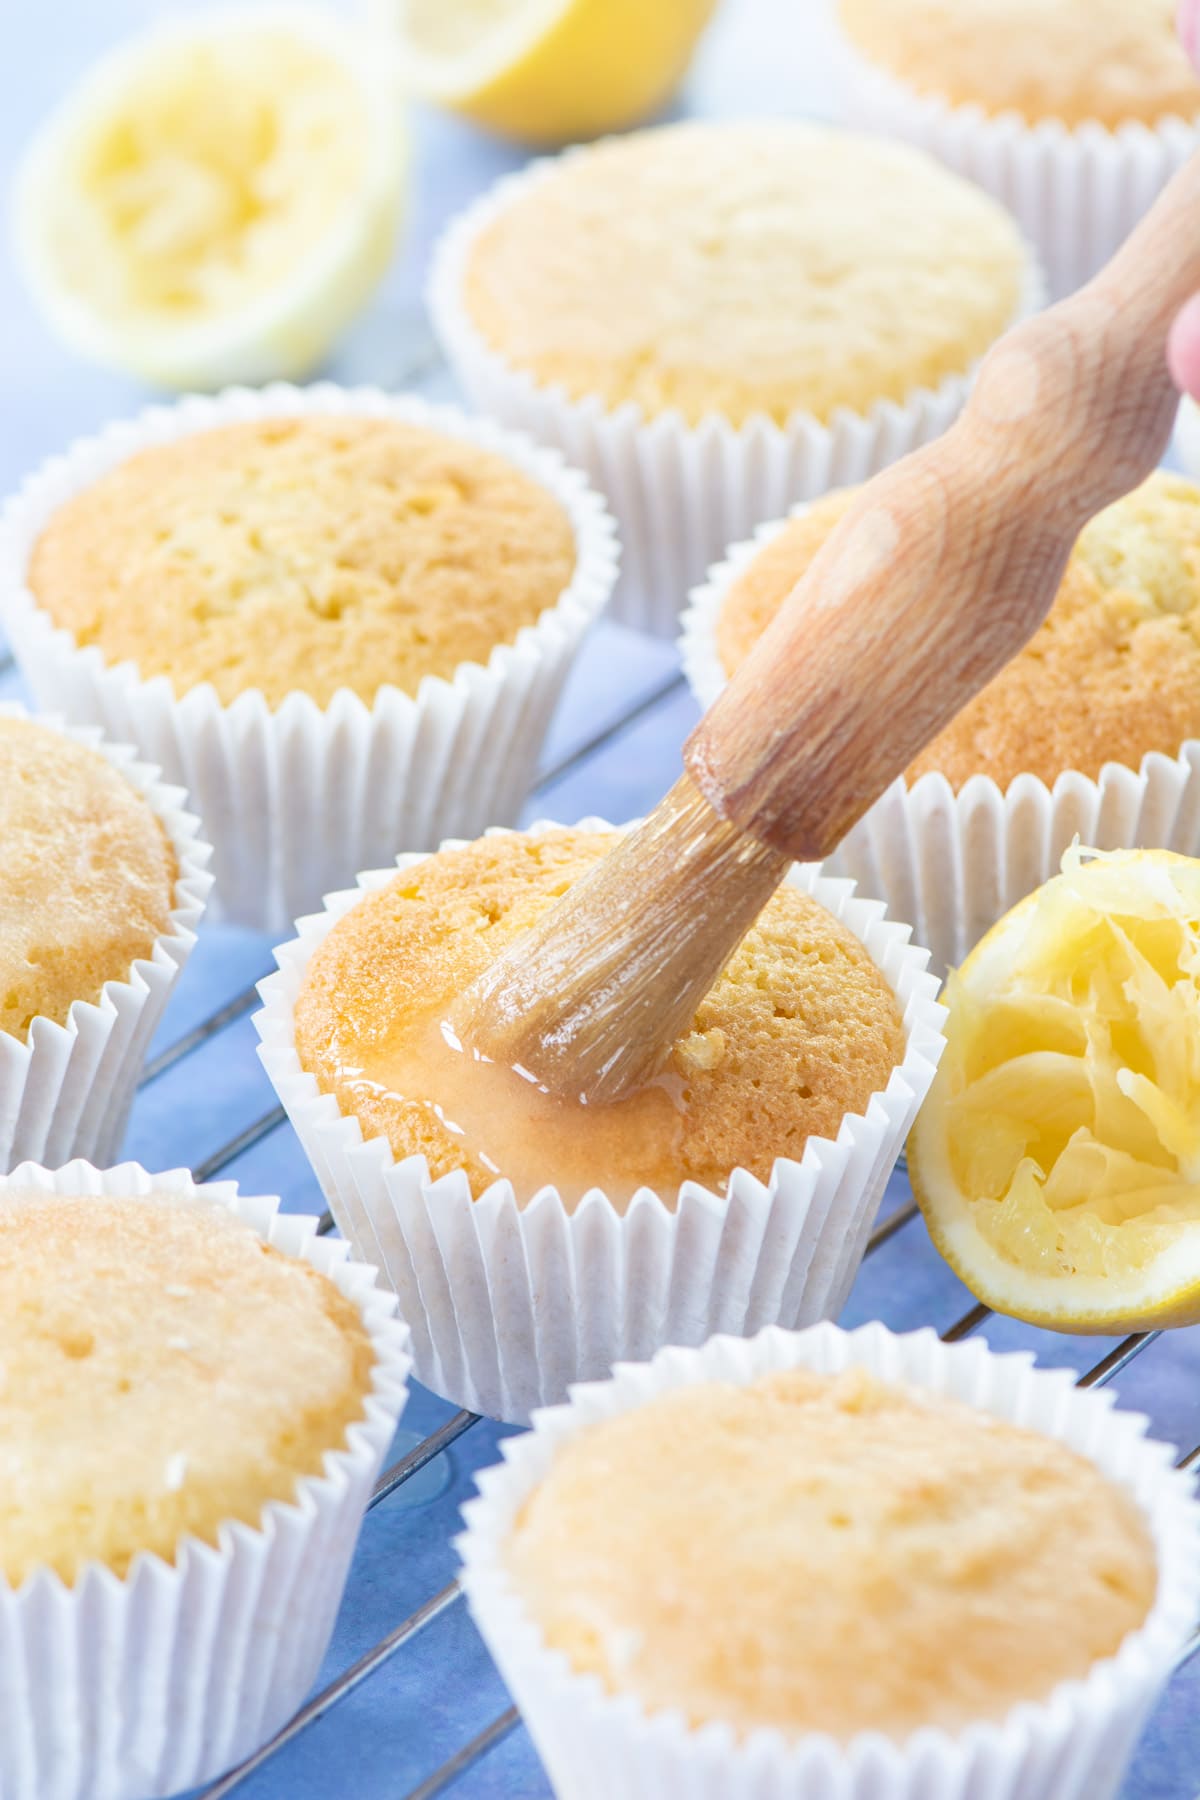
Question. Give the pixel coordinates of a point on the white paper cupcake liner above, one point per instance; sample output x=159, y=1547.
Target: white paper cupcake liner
x=297, y=799
x=1075, y=192
x=954, y=863
x=510, y=1304
x=680, y=492
x=702, y=665
x=66, y=1090
x=123, y=1689
x=1072, y=1745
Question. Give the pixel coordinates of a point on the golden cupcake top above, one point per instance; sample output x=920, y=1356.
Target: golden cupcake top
x=817, y=1553
x=799, y=1029
x=304, y=555
x=1074, y=60
x=165, y=1372
x=86, y=880
x=1113, y=673
x=745, y=268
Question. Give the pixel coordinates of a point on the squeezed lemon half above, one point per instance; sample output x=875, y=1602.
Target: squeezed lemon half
x=545, y=71
x=1057, y=1156
x=217, y=199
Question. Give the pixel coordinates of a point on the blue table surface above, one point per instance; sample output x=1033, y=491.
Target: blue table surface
x=612, y=749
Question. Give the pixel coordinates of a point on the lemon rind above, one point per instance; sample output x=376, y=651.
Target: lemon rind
x=1166, y=1294
x=562, y=70
x=454, y=80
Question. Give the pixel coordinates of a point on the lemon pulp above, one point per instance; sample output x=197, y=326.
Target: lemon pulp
x=1060, y=1145
x=226, y=162
x=217, y=198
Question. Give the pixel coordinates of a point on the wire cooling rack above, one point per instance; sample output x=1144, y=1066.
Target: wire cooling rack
x=441, y=1725
x=408, y=1705
x=452, y=1771
x=887, y=1247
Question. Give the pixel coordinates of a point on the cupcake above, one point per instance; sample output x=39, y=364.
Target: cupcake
x=715, y=320
x=533, y=1243
x=198, y=1393
x=341, y=620
x=1093, y=730
x=102, y=884
x=912, y=1568
x=1074, y=113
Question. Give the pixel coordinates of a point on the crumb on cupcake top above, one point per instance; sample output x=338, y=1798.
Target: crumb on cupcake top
x=87, y=878
x=304, y=555
x=745, y=268
x=165, y=1372
x=1112, y=673
x=1106, y=60
x=818, y=1553
x=799, y=1029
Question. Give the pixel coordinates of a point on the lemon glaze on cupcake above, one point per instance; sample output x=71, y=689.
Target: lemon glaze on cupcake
x=304, y=554
x=800, y=1029
x=87, y=878
x=165, y=1372
x=744, y=268
x=1112, y=674
x=813, y=1553
x=1110, y=61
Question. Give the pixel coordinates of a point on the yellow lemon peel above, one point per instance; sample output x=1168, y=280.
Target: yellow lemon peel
x=1057, y=1157
x=545, y=71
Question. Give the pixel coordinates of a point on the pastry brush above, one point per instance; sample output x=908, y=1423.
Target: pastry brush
x=943, y=567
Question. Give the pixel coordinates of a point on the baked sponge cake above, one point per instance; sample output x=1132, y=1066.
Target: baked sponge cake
x=1112, y=674
x=87, y=877
x=1110, y=61
x=744, y=268
x=165, y=1373
x=816, y=1553
x=799, y=1029
x=304, y=555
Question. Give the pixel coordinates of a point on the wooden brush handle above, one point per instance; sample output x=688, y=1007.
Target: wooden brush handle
x=949, y=561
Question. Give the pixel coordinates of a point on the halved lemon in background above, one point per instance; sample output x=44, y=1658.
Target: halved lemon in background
x=1057, y=1156
x=218, y=198
x=545, y=71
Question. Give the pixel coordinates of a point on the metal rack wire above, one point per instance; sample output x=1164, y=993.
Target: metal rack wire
x=403, y=1634
x=478, y=1746
x=397, y=352
x=424, y=371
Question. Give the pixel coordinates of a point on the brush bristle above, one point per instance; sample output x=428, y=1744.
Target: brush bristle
x=590, y=1001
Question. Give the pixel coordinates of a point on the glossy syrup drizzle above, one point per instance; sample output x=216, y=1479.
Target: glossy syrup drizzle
x=504, y=1121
